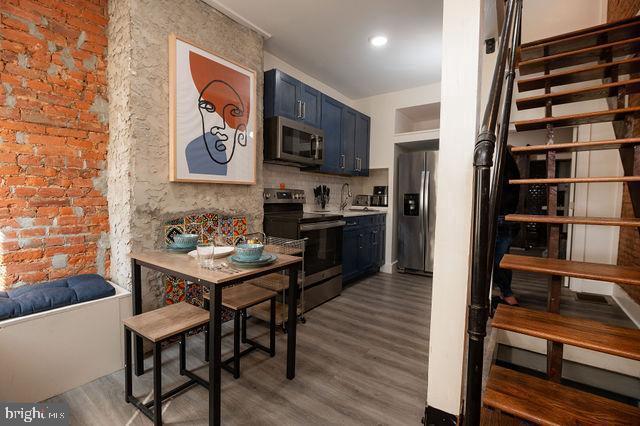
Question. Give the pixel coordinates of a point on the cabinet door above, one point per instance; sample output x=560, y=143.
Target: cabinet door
x=311, y=105
x=332, y=126
x=381, y=246
x=287, y=92
x=363, y=124
x=349, y=119
x=350, y=244
x=366, y=249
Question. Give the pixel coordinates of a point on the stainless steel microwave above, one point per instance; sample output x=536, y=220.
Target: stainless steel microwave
x=292, y=142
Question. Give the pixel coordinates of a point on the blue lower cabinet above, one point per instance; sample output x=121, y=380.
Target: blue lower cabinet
x=363, y=246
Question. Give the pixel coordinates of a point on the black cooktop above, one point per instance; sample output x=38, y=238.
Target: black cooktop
x=302, y=217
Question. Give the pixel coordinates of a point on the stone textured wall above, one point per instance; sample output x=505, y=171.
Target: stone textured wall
x=140, y=194
x=53, y=139
x=629, y=241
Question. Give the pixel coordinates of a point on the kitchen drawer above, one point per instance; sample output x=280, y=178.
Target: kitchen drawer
x=352, y=222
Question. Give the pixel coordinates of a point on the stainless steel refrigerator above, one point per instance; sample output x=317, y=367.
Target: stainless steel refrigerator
x=416, y=210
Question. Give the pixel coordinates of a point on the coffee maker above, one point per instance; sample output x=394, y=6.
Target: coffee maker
x=380, y=197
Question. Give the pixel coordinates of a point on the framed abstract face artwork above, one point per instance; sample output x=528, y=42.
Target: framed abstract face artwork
x=212, y=117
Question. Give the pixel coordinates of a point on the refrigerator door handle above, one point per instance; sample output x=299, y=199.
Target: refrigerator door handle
x=425, y=211
x=422, y=213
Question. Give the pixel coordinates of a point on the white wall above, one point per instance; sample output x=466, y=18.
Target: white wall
x=547, y=18
x=462, y=43
x=382, y=110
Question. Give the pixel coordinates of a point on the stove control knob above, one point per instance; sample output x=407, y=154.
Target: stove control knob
x=267, y=195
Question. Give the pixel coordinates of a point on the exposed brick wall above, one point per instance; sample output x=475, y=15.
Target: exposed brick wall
x=53, y=139
x=629, y=242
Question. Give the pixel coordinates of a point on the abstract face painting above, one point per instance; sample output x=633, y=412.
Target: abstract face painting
x=212, y=117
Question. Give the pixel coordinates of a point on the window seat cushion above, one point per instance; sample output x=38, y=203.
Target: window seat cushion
x=30, y=299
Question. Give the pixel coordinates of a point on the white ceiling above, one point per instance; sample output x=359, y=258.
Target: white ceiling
x=328, y=39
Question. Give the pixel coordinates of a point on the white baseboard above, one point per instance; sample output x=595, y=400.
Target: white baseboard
x=388, y=268
x=627, y=304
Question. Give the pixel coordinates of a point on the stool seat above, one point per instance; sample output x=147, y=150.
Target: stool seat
x=273, y=282
x=244, y=296
x=167, y=321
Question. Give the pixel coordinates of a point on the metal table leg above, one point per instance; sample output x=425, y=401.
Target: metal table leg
x=215, y=364
x=292, y=321
x=136, y=289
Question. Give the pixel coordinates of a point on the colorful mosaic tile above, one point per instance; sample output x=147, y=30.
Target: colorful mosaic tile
x=210, y=227
x=174, y=290
x=239, y=226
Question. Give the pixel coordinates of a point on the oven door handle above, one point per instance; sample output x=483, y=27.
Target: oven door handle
x=322, y=225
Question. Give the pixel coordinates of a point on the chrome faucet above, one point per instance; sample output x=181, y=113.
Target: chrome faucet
x=344, y=201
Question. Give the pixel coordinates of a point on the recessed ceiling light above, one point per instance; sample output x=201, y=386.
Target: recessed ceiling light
x=378, y=41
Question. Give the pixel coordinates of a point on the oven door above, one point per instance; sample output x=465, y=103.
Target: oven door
x=323, y=250
x=290, y=141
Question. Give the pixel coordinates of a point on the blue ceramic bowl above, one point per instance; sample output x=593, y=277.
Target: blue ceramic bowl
x=249, y=252
x=185, y=240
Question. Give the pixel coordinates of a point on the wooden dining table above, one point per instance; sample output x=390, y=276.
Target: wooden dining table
x=186, y=267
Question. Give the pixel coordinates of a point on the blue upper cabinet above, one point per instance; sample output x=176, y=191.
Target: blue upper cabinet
x=311, y=105
x=361, y=150
x=331, y=123
x=288, y=97
x=349, y=121
x=346, y=131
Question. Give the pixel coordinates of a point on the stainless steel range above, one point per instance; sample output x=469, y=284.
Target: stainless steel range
x=284, y=216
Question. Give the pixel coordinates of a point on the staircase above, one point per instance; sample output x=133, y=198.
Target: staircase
x=602, y=58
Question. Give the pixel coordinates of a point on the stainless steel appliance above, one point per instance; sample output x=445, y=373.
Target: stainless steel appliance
x=284, y=217
x=361, y=200
x=416, y=210
x=292, y=142
x=380, y=196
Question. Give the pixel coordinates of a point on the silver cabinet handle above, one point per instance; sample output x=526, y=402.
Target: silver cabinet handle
x=299, y=111
x=342, y=161
x=322, y=225
x=304, y=109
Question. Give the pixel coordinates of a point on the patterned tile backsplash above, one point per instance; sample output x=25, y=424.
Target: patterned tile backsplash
x=211, y=227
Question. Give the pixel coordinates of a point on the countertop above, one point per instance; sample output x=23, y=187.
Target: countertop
x=354, y=213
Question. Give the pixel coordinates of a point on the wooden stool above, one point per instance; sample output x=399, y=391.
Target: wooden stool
x=238, y=299
x=157, y=326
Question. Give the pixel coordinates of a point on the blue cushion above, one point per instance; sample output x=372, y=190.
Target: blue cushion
x=90, y=287
x=35, y=287
x=8, y=308
x=29, y=299
x=48, y=298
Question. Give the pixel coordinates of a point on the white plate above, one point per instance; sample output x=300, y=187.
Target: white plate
x=218, y=252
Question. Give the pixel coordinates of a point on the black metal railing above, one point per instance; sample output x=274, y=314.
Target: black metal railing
x=488, y=183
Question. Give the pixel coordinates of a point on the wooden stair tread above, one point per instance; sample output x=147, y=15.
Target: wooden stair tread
x=580, y=56
x=497, y=418
x=576, y=146
x=167, y=321
x=569, y=268
x=243, y=296
x=578, y=75
x=572, y=220
x=549, y=403
x=576, y=119
x=579, y=95
x=588, y=37
x=583, y=333
x=554, y=181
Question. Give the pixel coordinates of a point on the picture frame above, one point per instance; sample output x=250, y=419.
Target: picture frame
x=212, y=117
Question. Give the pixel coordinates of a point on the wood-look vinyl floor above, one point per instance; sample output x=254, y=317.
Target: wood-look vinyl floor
x=361, y=359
